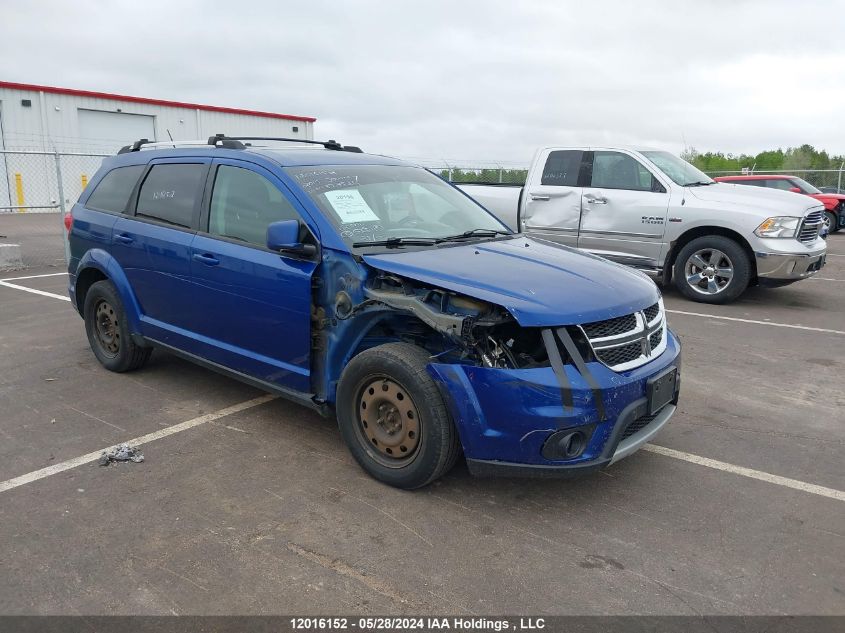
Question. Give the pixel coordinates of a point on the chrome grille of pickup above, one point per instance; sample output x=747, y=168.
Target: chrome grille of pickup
x=626, y=342
x=811, y=225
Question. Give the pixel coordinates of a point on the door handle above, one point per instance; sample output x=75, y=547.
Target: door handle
x=123, y=238
x=537, y=196
x=208, y=260
x=595, y=199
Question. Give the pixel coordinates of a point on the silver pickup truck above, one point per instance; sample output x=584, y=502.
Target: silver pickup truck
x=653, y=211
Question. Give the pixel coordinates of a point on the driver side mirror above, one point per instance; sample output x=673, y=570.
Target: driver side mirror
x=795, y=190
x=283, y=237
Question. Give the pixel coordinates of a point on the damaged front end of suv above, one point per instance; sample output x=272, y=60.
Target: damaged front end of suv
x=531, y=389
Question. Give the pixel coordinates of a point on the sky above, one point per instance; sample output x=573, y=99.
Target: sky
x=472, y=82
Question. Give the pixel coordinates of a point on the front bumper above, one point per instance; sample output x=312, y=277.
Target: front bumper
x=504, y=417
x=781, y=262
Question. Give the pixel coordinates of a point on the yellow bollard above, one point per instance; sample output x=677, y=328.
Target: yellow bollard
x=84, y=181
x=19, y=191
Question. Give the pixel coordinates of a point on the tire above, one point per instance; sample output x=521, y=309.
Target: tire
x=694, y=261
x=831, y=221
x=108, y=332
x=393, y=419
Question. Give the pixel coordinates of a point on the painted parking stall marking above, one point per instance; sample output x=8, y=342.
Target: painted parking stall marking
x=795, y=484
x=755, y=322
x=144, y=439
x=43, y=293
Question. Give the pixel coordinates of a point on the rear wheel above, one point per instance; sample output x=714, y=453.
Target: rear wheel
x=712, y=269
x=393, y=418
x=830, y=221
x=108, y=332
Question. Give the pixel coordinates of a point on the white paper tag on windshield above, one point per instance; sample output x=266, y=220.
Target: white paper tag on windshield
x=350, y=206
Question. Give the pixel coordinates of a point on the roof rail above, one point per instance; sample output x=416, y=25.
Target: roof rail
x=232, y=142
x=221, y=140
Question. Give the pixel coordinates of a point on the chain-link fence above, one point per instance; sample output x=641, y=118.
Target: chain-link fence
x=36, y=188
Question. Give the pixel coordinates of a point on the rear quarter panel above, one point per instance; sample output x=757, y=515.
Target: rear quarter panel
x=501, y=200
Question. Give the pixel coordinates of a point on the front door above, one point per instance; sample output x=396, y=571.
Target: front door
x=624, y=209
x=252, y=306
x=551, y=206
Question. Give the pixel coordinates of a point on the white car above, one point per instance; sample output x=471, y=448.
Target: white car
x=654, y=211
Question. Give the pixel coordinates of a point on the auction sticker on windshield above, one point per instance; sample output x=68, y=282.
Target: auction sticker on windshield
x=350, y=206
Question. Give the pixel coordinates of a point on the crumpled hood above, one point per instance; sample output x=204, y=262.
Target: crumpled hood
x=771, y=201
x=538, y=282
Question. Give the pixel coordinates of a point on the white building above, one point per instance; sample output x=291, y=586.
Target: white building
x=49, y=119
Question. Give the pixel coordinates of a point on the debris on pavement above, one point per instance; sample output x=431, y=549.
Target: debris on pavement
x=121, y=453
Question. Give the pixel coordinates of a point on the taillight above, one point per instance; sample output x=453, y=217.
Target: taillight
x=68, y=222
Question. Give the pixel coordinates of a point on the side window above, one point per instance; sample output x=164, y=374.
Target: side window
x=561, y=168
x=614, y=170
x=244, y=203
x=169, y=193
x=750, y=183
x=114, y=189
x=779, y=183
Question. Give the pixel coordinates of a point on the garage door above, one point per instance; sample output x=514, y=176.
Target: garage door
x=109, y=131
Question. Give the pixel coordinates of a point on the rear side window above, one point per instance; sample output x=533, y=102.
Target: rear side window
x=244, y=203
x=562, y=168
x=752, y=183
x=169, y=193
x=112, y=194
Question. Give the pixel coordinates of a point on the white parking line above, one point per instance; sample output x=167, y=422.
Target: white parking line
x=34, y=291
x=831, y=493
x=33, y=277
x=144, y=439
x=772, y=323
x=823, y=279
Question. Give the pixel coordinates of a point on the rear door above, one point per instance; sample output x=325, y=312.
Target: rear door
x=153, y=246
x=624, y=210
x=552, y=198
x=251, y=306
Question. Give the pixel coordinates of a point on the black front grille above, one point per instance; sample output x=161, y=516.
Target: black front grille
x=654, y=339
x=610, y=327
x=638, y=425
x=619, y=355
x=652, y=312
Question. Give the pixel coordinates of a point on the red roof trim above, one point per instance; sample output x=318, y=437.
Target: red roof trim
x=160, y=102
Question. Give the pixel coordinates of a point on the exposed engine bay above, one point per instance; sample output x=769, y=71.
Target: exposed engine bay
x=472, y=330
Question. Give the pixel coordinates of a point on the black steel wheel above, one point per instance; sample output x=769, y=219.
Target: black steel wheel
x=108, y=332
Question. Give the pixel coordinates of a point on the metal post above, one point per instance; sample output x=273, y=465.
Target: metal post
x=61, y=190
x=839, y=183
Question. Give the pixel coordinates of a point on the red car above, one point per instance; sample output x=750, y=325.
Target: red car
x=834, y=203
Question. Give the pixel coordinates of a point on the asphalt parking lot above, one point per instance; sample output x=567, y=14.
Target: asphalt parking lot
x=255, y=507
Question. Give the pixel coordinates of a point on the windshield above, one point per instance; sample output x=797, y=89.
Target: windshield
x=679, y=170
x=804, y=186
x=373, y=203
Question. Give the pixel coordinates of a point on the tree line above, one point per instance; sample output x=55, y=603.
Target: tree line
x=792, y=158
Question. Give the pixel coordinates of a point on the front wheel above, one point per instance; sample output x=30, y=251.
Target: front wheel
x=830, y=221
x=393, y=418
x=712, y=269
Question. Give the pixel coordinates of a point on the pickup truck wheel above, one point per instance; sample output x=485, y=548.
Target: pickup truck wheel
x=108, y=331
x=712, y=269
x=393, y=418
x=830, y=221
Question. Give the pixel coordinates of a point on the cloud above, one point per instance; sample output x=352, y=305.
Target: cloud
x=487, y=81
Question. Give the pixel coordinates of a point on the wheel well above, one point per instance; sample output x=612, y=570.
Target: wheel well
x=702, y=231
x=84, y=281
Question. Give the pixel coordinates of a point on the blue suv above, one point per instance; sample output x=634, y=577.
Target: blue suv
x=368, y=288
